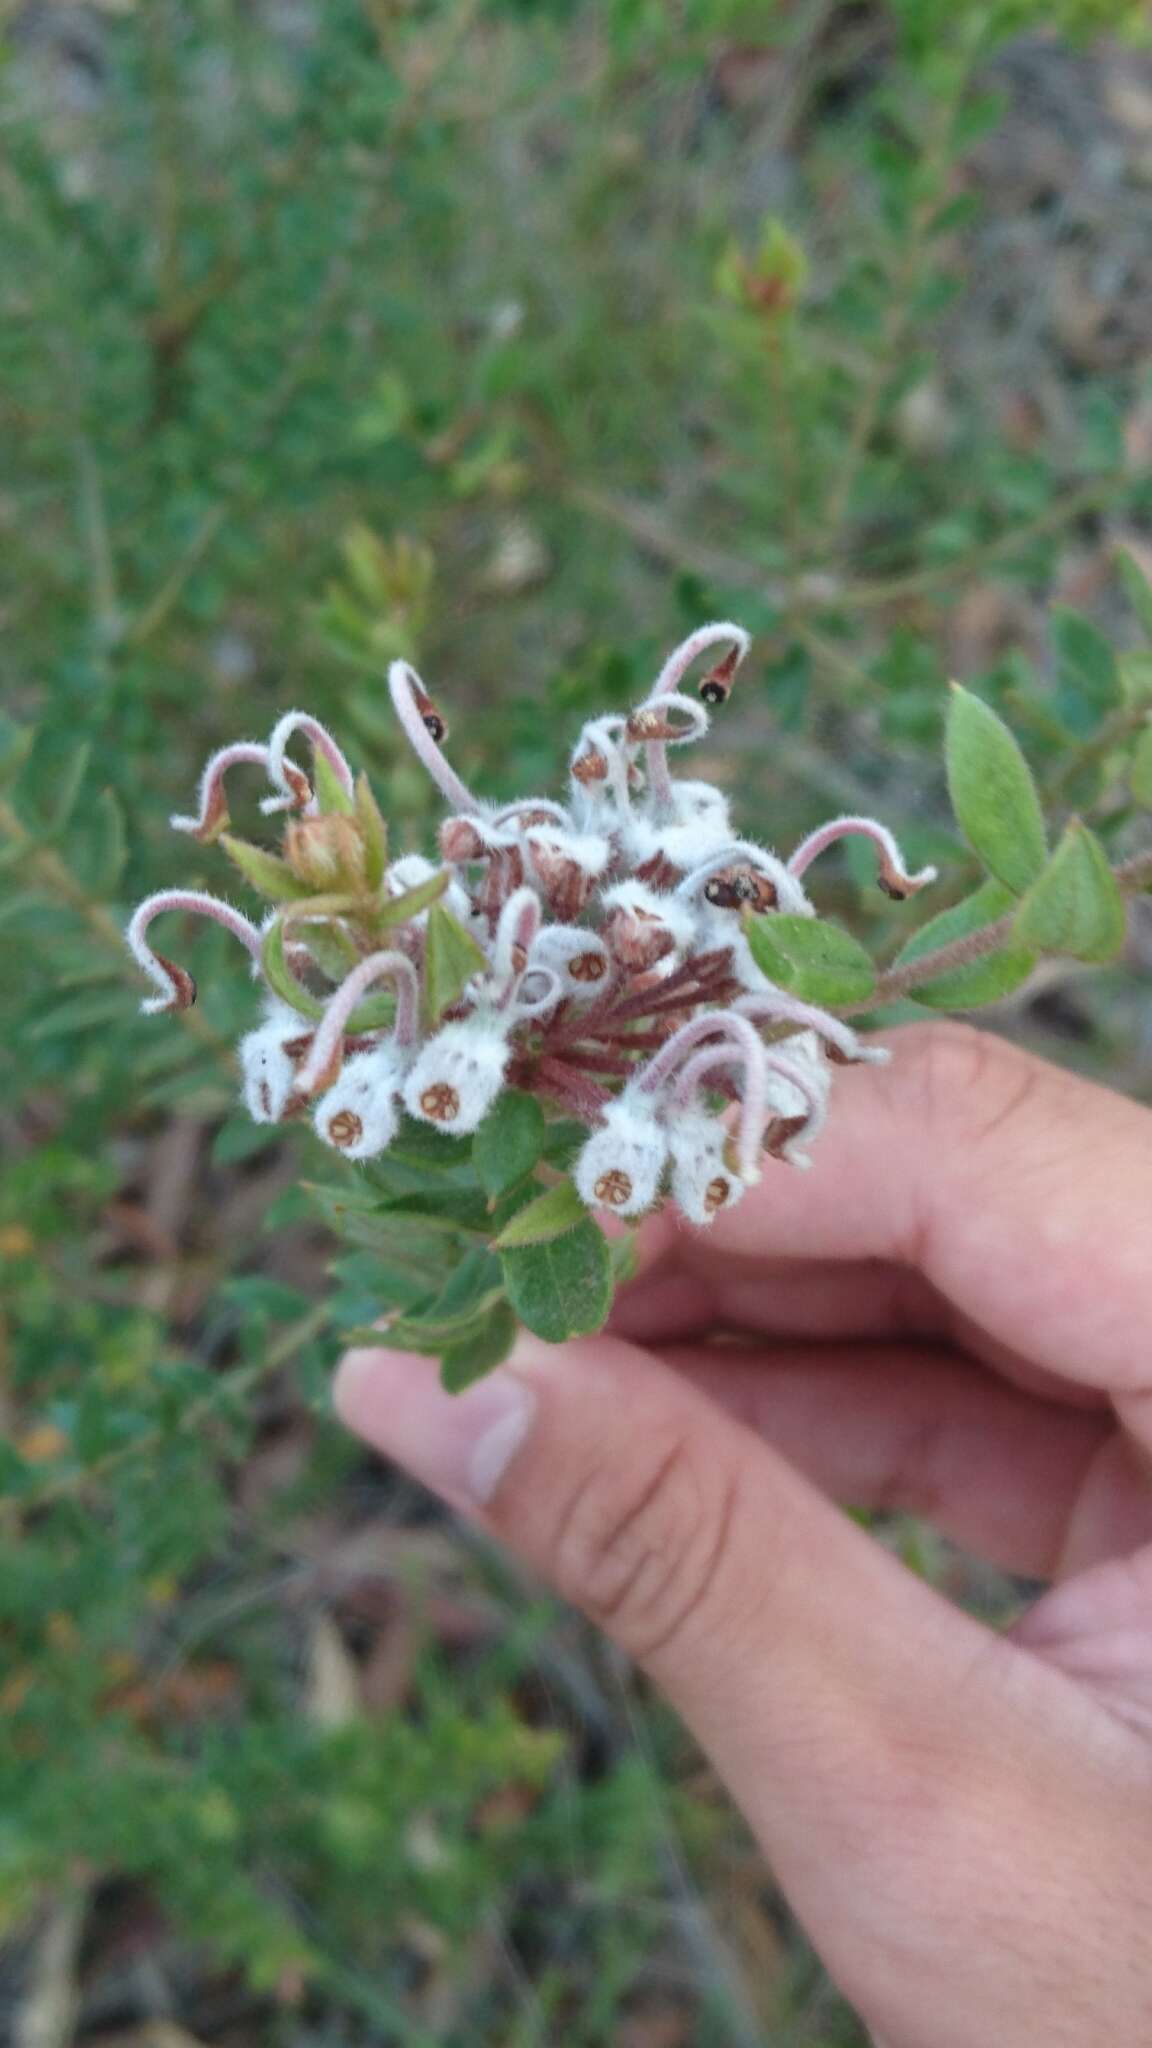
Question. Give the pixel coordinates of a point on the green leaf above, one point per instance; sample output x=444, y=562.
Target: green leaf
x=562, y=1288
x=398, y=909
x=1076, y=907
x=373, y=832
x=1140, y=768
x=15, y=746
x=1137, y=589
x=1136, y=677
x=1087, y=683
x=451, y=958
x=331, y=794
x=814, y=960
x=107, y=850
x=267, y=873
x=985, y=981
x=509, y=1142
x=472, y=1288
x=558, y=1209
x=280, y=978
x=240, y=1139
x=481, y=1351
x=993, y=794
x=67, y=781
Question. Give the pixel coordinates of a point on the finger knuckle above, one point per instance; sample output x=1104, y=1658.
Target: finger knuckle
x=640, y=1548
x=970, y=1079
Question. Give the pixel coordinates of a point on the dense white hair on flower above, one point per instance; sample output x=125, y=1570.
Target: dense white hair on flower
x=413, y=868
x=798, y=1084
x=620, y=1166
x=637, y=899
x=359, y=1113
x=703, y=1183
x=267, y=1068
x=589, y=851
x=459, y=1073
x=579, y=959
x=744, y=853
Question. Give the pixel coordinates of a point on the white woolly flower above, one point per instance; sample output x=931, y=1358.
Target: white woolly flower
x=643, y=925
x=267, y=1066
x=566, y=866
x=703, y=1182
x=459, y=1073
x=410, y=870
x=579, y=960
x=358, y=1115
x=621, y=1164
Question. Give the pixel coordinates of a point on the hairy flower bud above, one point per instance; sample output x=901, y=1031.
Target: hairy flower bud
x=703, y=1180
x=579, y=959
x=327, y=853
x=359, y=1114
x=642, y=926
x=459, y=1074
x=268, y=1060
x=621, y=1164
x=566, y=866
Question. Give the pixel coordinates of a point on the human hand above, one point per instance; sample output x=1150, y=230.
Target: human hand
x=951, y=1313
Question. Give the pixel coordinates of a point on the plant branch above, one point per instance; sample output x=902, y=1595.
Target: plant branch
x=1132, y=876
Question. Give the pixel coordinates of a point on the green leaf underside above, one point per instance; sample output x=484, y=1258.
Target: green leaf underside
x=468, y=1295
x=558, y=1209
x=484, y=1348
x=1140, y=770
x=814, y=960
x=509, y=1142
x=1075, y=908
x=985, y=981
x=562, y=1288
x=451, y=958
x=993, y=793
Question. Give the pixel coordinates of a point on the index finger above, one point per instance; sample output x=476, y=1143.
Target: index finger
x=1021, y=1192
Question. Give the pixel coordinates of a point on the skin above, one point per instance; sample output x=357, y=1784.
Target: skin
x=951, y=1314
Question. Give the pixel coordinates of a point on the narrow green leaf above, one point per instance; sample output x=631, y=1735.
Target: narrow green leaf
x=985, y=981
x=267, y=873
x=451, y=958
x=470, y=1291
x=373, y=832
x=814, y=960
x=562, y=1288
x=558, y=1209
x=481, y=1351
x=331, y=794
x=993, y=794
x=67, y=780
x=392, y=910
x=107, y=852
x=241, y=1139
x=1137, y=589
x=509, y=1142
x=1076, y=907
x=1140, y=768
x=81, y=1013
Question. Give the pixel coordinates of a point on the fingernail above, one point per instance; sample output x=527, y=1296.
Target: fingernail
x=460, y=1445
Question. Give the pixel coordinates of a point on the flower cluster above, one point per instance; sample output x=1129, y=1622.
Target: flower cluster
x=593, y=952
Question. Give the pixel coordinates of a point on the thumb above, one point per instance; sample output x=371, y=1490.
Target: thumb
x=903, y=1768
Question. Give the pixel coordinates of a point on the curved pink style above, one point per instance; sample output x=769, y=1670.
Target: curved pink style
x=895, y=879
x=280, y=769
x=323, y=1062
x=212, y=809
x=406, y=690
x=176, y=986
x=681, y=659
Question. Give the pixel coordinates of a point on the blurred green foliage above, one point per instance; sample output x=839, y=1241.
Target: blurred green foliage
x=470, y=331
